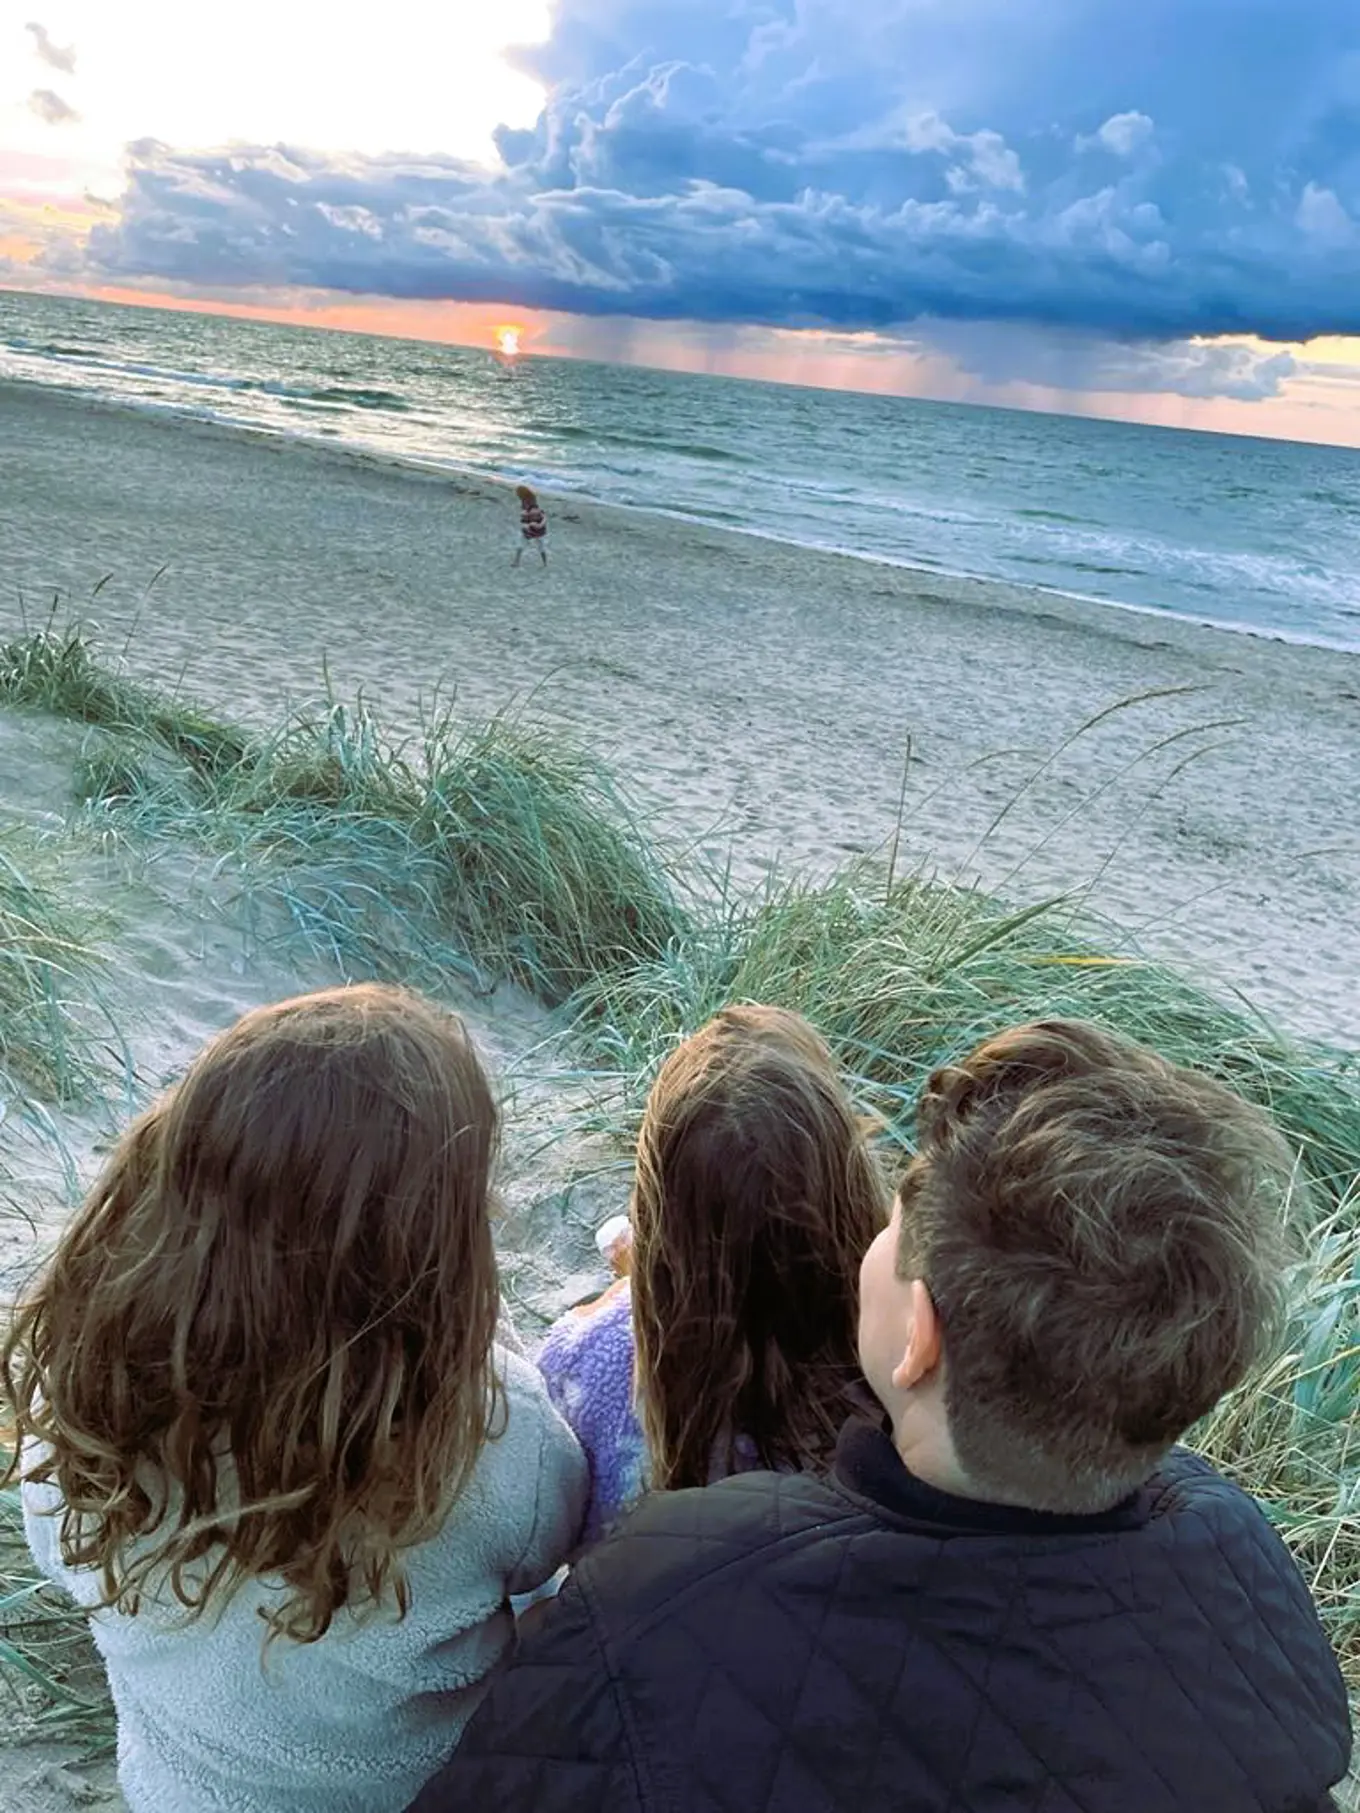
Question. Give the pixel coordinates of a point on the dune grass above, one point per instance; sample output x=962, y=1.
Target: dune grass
x=48, y=967
x=1292, y=1436
x=46, y=1650
x=901, y=975
x=56, y=670
x=503, y=851
x=499, y=840
x=49, y=1024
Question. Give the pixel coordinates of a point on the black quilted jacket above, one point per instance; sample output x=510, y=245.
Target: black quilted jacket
x=778, y=1644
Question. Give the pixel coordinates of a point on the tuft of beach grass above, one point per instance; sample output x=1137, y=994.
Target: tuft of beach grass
x=901, y=975
x=48, y=1661
x=499, y=839
x=56, y=670
x=49, y=963
x=1291, y=1436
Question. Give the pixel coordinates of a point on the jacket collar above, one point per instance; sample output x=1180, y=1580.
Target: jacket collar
x=869, y=1466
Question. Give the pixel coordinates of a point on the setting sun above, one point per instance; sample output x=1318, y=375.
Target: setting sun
x=507, y=341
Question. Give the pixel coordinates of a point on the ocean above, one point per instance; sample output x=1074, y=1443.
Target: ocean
x=1249, y=534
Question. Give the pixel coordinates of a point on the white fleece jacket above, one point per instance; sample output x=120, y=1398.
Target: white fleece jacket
x=358, y=1721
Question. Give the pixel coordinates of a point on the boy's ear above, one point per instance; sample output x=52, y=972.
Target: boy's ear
x=925, y=1345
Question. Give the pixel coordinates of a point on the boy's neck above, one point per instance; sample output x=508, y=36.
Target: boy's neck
x=872, y=1464
x=925, y=1449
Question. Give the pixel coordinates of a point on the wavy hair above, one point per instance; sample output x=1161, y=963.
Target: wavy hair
x=756, y=1197
x=263, y=1345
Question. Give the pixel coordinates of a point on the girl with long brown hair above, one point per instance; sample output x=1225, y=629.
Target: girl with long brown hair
x=732, y=1343
x=267, y=1435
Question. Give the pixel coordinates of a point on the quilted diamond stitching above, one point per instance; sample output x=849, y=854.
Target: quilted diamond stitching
x=815, y=1561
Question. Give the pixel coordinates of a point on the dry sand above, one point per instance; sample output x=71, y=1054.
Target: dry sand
x=757, y=694
x=758, y=697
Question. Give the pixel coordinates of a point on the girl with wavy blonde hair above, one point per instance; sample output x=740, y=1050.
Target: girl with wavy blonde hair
x=266, y=1433
x=731, y=1344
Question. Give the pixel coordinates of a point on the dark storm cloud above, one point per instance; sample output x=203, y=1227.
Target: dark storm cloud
x=1115, y=172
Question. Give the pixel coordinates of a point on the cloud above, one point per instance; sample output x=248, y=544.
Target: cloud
x=1329, y=371
x=49, y=106
x=1123, y=134
x=1001, y=353
x=981, y=160
x=819, y=162
x=45, y=238
x=55, y=55
x=1322, y=218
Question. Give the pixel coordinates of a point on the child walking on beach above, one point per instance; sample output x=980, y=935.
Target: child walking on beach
x=267, y=1436
x=732, y=1344
x=533, y=526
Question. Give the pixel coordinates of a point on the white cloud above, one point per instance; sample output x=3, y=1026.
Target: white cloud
x=407, y=76
x=56, y=56
x=921, y=132
x=1000, y=353
x=1123, y=135
x=51, y=108
x=1323, y=218
x=988, y=162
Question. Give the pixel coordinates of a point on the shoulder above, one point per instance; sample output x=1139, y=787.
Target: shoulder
x=698, y=1541
x=529, y=1411
x=587, y=1363
x=530, y=1459
x=1188, y=1487
x=747, y=1513
x=528, y=1438
x=1192, y=1507
x=602, y=1336
x=43, y=1506
x=1216, y=1547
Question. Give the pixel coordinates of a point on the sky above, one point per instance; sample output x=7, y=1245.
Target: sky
x=1137, y=208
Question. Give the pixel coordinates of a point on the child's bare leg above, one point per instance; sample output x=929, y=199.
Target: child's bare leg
x=519, y=555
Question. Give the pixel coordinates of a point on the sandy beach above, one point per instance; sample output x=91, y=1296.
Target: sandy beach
x=757, y=696
x=703, y=661
x=757, y=699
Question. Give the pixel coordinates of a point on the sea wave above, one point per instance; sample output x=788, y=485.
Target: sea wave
x=56, y=350
x=1058, y=516
x=349, y=396
x=604, y=437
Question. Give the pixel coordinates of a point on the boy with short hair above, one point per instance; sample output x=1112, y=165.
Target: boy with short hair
x=1015, y=1592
